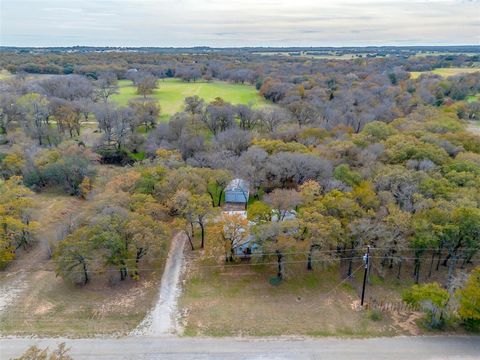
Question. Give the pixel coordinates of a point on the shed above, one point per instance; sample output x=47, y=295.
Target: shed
x=237, y=192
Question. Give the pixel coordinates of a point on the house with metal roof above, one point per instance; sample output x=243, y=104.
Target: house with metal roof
x=237, y=192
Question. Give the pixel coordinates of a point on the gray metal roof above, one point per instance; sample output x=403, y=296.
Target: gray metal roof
x=238, y=185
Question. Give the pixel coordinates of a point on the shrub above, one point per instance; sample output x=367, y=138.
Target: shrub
x=432, y=299
x=375, y=315
x=343, y=173
x=469, y=301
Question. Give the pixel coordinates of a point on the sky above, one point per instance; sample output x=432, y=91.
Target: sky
x=230, y=23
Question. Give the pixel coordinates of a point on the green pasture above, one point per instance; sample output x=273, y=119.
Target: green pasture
x=473, y=98
x=4, y=74
x=172, y=92
x=445, y=72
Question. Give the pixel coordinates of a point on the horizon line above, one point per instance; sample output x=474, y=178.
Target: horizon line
x=239, y=46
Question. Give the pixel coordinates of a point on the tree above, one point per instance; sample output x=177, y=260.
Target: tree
x=396, y=229
x=432, y=299
x=234, y=232
x=469, y=300
x=343, y=173
x=66, y=168
x=252, y=167
x=218, y=116
x=76, y=255
x=278, y=238
x=247, y=117
x=145, y=112
x=282, y=201
x=271, y=119
x=304, y=112
x=234, y=140
x=286, y=169
x=259, y=212
x=15, y=224
x=106, y=85
x=12, y=164
x=217, y=181
x=84, y=105
x=195, y=209
x=310, y=191
x=146, y=84
x=357, y=229
x=10, y=112
x=143, y=234
x=68, y=118
x=35, y=111
x=194, y=105
x=70, y=87
x=463, y=232
x=318, y=231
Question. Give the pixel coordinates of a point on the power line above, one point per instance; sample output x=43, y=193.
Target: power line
x=266, y=254
x=226, y=265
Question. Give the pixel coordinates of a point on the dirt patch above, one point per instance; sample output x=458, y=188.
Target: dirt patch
x=406, y=321
x=474, y=127
x=43, y=308
x=125, y=303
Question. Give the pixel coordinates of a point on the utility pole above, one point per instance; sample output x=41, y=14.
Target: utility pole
x=366, y=259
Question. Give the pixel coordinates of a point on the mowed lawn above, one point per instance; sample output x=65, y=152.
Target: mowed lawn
x=172, y=92
x=445, y=72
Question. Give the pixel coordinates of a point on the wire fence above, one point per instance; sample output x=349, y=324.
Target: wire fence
x=388, y=306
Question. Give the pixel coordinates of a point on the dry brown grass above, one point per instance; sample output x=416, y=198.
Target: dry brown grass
x=230, y=301
x=51, y=307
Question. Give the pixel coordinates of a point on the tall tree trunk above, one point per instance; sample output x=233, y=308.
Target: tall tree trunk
x=350, y=261
x=431, y=264
x=189, y=240
x=445, y=262
x=85, y=273
x=451, y=270
x=417, y=270
x=468, y=259
x=439, y=258
x=399, y=269
x=211, y=197
x=202, y=228
x=280, y=271
x=123, y=273
x=220, y=198
x=309, y=259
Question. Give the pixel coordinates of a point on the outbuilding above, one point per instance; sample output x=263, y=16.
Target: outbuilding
x=237, y=192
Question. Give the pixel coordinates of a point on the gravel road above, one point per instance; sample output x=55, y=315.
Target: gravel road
x=162, y=320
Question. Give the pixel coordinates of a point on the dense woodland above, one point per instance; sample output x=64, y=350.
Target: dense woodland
x=363, y=153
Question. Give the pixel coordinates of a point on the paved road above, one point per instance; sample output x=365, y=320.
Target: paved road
x=162, y=320
x=411, y=348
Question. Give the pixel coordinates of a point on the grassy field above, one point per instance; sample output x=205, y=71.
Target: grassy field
x=51, y=307
x=172, y=92
x=4, y=74
x=445, y=72
x=240, y=301
x=473, y=98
